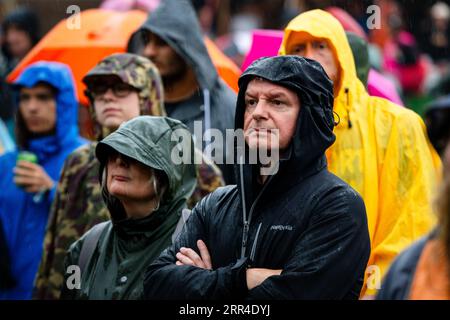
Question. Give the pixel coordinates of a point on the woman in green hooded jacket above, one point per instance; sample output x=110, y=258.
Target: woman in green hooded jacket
x=145, y=192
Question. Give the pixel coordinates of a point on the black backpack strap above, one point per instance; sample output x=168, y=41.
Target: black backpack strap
x=90, y=243
x=180, y=225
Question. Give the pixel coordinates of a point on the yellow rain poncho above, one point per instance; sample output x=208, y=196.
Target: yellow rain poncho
x=381, y=150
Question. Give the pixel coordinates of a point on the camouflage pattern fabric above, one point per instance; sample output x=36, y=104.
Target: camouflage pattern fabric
x=138, y=72
x=78, y=203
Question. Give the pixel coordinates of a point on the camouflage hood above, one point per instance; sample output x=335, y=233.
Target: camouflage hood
x=138, y=72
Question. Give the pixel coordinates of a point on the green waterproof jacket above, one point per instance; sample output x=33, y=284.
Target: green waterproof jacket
x=115, y=269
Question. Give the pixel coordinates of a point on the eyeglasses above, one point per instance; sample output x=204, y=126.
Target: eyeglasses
x=120, y=89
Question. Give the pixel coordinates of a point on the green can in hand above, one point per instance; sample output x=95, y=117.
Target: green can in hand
x=27, y=156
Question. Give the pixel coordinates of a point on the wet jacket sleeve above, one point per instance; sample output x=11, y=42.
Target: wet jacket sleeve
x=329, y=257
x=165, y=280
x=409, y=174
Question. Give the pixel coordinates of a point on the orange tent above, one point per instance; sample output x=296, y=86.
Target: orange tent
x=101, y=33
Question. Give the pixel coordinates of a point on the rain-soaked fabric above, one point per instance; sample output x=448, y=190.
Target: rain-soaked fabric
x=303, y=220
x=78, y=204
x=24, y=215
x=381, y=150
x=116, y=268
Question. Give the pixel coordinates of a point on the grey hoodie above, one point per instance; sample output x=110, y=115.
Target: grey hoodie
x=175, y=22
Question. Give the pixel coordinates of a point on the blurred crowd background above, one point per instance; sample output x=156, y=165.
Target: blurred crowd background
x=411, y=46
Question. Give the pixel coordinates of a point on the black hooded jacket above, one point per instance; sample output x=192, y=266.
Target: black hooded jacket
x=175, y=22
x=304, y=220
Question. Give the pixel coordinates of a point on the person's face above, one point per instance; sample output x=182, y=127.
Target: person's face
x=269, y=107
x=128, y=179
x=166, y=59
x=18, y=42
x=305, y=45
x=37, y=106
x=114, y=101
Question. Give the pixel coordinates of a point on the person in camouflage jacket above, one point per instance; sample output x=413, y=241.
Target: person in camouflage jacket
x=78, y=204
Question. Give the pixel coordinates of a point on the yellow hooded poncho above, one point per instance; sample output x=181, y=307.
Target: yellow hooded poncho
x=381, y=150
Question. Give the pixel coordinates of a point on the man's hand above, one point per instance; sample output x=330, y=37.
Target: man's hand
x=189, y=257
x=32, y=177
x=256, y=276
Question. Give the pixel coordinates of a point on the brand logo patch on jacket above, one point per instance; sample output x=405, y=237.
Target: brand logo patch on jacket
x=280, y=227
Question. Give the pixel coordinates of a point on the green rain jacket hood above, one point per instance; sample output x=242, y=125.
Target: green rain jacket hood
x=154, y=151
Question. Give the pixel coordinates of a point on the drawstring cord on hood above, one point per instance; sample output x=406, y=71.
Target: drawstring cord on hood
x=207, y=106
x=338, y=118
x=155, y=187
x=347, y=107
x=207, y=117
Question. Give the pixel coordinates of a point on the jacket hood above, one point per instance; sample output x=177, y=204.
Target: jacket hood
x=321, y=24
x=150, y=141
x=138, y=72
x=176, y=23
x=60, y=77
x=314, y=131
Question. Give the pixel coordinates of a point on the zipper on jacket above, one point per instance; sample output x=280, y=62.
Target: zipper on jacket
x=255, y=242
x=244, y=210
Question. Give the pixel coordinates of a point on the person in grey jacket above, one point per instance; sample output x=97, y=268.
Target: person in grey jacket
x=193, y=91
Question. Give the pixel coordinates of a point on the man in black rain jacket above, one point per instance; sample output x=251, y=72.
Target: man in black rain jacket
x=300, y=233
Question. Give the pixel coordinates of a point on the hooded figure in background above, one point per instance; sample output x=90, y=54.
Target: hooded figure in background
x=171, y=37
x=129, y=167
x=381, y=149
x=377, y=84
x=24, y=213
x=300, y=233
x=78, y=204
x=20, y=32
